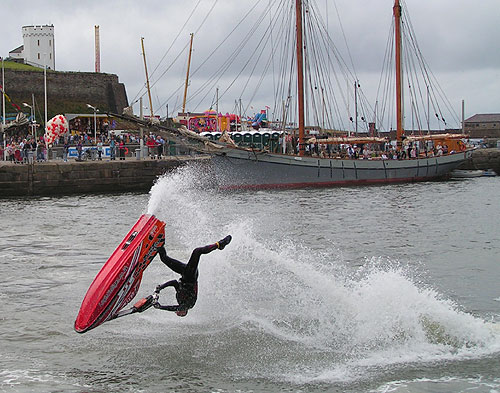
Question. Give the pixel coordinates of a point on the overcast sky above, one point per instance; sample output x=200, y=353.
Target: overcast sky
x=460, y=39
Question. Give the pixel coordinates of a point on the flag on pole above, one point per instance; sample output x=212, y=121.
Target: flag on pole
x=17, y=107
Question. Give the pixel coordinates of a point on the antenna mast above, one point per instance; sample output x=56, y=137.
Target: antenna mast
x=97, y=50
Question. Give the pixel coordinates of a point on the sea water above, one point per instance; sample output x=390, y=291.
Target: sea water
x=358, y=289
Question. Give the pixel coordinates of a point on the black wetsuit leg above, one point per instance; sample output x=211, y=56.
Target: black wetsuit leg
x=191, y=270
x=187, y=286
x=174, y=264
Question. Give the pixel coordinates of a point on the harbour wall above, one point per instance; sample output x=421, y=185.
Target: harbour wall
x=63, y=178
x=67, y=92
x=484, y=159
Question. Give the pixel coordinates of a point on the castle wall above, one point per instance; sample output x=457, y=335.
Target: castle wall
x=67, y=92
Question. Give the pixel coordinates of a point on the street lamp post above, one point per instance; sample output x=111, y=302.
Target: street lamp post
x=3, y=112
x=95, y=121
x=31, y=110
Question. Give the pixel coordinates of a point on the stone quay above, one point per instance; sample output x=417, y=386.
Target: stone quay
x=484, y=159
x=63, y=178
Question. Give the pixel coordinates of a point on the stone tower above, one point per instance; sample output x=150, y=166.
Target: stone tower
x=39, y=47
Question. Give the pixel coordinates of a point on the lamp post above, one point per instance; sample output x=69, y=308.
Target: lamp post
x=31, y=110
x=95, y=121
x=45, y=99
x=3, y=112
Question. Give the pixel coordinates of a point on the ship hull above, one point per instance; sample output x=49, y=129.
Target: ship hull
x=243, y=169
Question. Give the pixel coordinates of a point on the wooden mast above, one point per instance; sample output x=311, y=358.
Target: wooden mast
x=399, y=79
x=147, y=79
x=187, y=75
x=300, y=75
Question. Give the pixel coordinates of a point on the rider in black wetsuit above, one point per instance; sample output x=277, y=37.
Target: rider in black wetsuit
x=187, y=286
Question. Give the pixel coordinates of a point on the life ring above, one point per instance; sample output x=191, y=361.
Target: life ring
x=126, y=151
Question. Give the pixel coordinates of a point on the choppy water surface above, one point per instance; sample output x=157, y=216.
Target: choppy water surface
x=373, y=289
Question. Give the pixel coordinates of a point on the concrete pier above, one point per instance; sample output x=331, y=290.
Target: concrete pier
x=61, y=178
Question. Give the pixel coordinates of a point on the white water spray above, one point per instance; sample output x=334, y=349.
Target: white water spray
x=302, y=300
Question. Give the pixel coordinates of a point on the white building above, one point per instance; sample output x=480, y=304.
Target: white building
x=39, y=47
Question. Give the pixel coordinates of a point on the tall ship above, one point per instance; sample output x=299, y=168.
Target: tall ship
x=414, y=157
x=292, y=155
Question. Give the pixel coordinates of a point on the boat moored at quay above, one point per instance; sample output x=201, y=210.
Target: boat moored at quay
x=246, y=167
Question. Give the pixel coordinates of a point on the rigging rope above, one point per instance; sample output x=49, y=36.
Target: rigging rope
x=180, y=52
x=421, y=84
x=243, y=19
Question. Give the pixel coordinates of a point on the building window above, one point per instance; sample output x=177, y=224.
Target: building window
x=50, y=42
x=38, y=42
x=39, y=56
x=50, y=55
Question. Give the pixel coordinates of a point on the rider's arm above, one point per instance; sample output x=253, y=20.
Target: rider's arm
x=166, y=308
x=171, y=283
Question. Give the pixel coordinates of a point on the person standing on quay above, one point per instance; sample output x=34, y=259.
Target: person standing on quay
x=122, y=150
x=65, y=150
x=112, y=147
x=79, y=149
x=99, y=150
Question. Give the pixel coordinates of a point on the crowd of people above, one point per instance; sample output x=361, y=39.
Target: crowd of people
x=24, y=150
x=385, y=151
x=28, y=148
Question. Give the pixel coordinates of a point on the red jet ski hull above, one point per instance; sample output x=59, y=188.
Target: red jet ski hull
x=118, y=281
